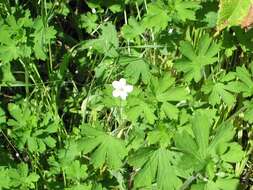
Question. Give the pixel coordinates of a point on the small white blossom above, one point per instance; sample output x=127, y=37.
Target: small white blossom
x=170, y=30
x=93, y=10
x=121, y=88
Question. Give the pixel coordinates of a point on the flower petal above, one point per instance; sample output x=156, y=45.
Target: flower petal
x=116, y=93
x=123, y=95
x=116, y=84
x=122, y=82
x=128, y=88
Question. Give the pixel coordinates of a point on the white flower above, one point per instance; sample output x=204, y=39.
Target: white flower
x=93, y=10
x=121, y=88
x=170, y=30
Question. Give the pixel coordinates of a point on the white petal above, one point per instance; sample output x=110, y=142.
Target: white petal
x=122, y=82
x=123, y=95
x=116, y=93
x=128, y=88
x=116, y=84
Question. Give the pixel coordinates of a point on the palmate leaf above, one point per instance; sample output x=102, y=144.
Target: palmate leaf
x=75, y=170
x=156, y=14
x=195, y=60
x=136, y=68
x=161, y=135
x=88, y=21
x=13, y=38
x=107, y=43
x=5, y=181
x=104, y=148
x=197, y=148
x=219, y=91
x=201, y=128
x=167, y=93
x=28, y=129
x=22, y=178
x=42, y=36
x=185, y=10
x=154, y=166
x=140, y=108
x=132, y=30
x=244, y=84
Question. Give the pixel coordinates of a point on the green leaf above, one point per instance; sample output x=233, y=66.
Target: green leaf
x=79, y=187
x=76, y=171
x=132, y=30
x=21, y=177
x=169, y=110
x=219, y=92
x=248, y=114
x=173, y=94
x=161, y=135
x=88, y=21
x=165, y=89
x=245, y=78
x=225, y=184
x=2, y=117
x=139, y=108
x=211, y=19
x=185, y=10
x=104, y=148
x=136, y=69
x=201, y=128
x=9, y=52
x=107, y=43
x=194, y=61
x=42, y=37
x=155, y=166
x=5, y=180
x=224, y=133
x=50, y=141
x=7, y=73
x=156, y=14
x=234, y=153
x=232, y=12
x=30, y=127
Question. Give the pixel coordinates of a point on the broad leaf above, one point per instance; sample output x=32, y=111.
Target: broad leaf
x=139, y=108
x=137, y=68
x=104, y=148
x=219, y=91
x=155, y=166
x=132, y=30
x=107, y=43
x=194, y=61
x=156, y=14
x=232, y=12
x=185, y=10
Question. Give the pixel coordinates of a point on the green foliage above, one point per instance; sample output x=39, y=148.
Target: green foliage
x=155, y=165
x=232, y=12
x=107, y=43
x=194, y=61
x=155, y=14
x=136, y=68
x=146, y=94
x=185, y=10
x=31, y=129
x=104, y=148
